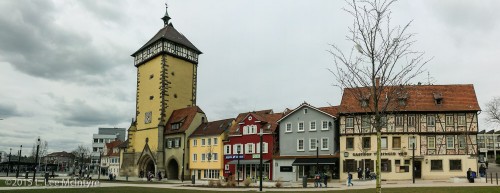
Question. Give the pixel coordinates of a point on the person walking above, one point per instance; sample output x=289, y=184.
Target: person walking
x=325, y=180
x=469, y=175
x=317, y=180
x=360, y=173
x=349, y=179
x=367, y=173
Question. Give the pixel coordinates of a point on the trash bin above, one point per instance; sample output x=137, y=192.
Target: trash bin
x=193, y=179
x=26, y=175
x=304, y=181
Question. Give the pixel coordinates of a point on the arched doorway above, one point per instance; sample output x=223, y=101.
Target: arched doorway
x=150, y=166
x=146, y=164
x=173, y=170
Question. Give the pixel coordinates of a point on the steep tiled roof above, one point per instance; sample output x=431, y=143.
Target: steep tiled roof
x=419, y=98
x=267, y=118
x=213, y=128
x=110, y=146
x=171, y=34
x=123, y=144
x=183, y=116
x=331, y=110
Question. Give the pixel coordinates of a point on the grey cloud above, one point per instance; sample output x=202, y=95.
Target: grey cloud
x=79, y=113
x=9, y=110
x=35, y=44
x=464, y=14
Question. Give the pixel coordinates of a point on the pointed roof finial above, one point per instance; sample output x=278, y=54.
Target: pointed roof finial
x=166, y=17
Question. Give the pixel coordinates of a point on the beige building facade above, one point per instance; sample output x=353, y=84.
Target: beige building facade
x=432, y=136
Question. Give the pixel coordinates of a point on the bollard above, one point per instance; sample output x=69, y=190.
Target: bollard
x=491, y=178
x=26, y=175
x=496, y=174
x=486, y=176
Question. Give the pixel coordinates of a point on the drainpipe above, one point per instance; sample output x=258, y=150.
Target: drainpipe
x=183, y=158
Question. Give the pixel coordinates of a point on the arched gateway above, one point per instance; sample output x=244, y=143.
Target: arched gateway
x=173, y=170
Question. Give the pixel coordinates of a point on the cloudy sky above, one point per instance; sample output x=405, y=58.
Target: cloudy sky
x=65, y=66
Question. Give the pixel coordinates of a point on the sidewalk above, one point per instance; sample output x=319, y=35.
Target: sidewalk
x=268, y=186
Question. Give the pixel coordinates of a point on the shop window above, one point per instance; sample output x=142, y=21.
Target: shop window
x=350, y=165
x=385, y=165
x=436, y=165
x=455, y=164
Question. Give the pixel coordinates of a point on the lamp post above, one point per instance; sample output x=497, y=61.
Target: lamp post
x=99, y=172
x=261, y=165
x=81, y=168
x=317, y=157
x=19, y=161
x=36, y=158
x=413, y=159
x=8, y=166
x=238, y=166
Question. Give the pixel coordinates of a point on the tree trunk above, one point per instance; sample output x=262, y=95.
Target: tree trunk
x=377, y=166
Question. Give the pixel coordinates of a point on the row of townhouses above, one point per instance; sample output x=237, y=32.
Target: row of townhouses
x=434, y=132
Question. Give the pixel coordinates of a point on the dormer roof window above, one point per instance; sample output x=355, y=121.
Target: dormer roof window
x=402, y=99
x=438, y=98
x=364, y=100
x=176, y=126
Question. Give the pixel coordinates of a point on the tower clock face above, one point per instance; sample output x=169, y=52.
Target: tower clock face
x=249, y=118
x=147, y=117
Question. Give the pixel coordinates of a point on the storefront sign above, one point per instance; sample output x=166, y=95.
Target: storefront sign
x=381, y=153
x=233, y=156
x=255, y=156
x=286, y=168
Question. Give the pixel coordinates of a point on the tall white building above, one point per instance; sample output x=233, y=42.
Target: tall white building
x=104, y=135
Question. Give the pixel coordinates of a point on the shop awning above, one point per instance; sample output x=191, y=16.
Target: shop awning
x=253, y=161
x=313, y=161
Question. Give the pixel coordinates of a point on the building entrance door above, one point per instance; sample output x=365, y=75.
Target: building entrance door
x=418, y=169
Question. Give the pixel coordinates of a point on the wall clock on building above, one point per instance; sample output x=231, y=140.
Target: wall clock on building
x=249, y=118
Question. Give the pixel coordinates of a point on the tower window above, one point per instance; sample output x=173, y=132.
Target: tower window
x=175, y=95
x=173, y=73
x=151, y=76
x=151, y=97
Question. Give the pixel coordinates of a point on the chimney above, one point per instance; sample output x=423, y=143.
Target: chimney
x=377, y=81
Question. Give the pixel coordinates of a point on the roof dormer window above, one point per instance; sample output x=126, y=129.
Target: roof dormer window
x=364, y=100
x=438, y=98
x=176, y=126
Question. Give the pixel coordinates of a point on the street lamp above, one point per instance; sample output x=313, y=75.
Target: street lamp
x=100, y=157
x=260, y=152
x=36, y=157
x=317, y=157
x=8, y=166
x=238, y=166
x=413, y=159
x=19, y=161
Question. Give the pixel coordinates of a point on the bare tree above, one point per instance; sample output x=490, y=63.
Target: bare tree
x=493, y=111
x=379, y=65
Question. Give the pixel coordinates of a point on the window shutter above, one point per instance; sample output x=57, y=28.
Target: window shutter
x=258, y=147
x=389, y=164
x=264, y=146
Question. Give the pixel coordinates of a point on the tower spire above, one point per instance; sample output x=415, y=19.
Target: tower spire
x=166, y=17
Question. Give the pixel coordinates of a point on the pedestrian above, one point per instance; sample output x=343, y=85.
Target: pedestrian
x=349, y=179
x=469, y=176
x=316, y=180
x=110, y=176
x=159, y=176
x=325, y=179
x=114, y=176
x=367, y=173
x=360, y=173
x=53, y=176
